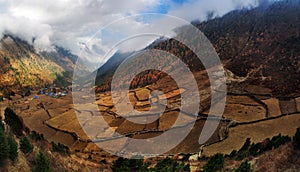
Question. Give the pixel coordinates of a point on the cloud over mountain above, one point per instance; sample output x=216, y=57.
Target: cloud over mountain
x=71, y=23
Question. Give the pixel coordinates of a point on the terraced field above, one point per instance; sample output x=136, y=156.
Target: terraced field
x=248, y=113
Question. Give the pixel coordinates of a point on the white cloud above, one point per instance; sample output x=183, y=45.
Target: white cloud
x=199, y=9
x=72, y=23
x=64, y=22
x=38, y=34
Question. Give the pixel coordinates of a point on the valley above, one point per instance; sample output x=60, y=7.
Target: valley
x=247, y=113
x=86, y=124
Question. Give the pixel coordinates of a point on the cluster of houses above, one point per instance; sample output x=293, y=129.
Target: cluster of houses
x=54, y=92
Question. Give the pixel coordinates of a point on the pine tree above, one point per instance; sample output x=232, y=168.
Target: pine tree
x=170, y=165
x=244, y=167
x=25, y=145
x=14, y=122
x=123, y=164
x=13, y=148
x=4, y=149
x=42, y=163
x=215, y=163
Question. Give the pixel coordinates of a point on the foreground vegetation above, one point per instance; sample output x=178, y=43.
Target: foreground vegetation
x=214, y=163
x=138, y=165
x=9, y=146
x=15, y=141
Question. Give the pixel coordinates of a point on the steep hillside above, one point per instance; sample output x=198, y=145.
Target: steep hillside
x=262, y=45
x=105, y=72
x=22, y=65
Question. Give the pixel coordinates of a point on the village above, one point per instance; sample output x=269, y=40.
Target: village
x=51, y=91
x=54, y=92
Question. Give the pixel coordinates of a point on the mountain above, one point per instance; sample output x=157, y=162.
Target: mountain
x=105, y=72
x=261, y=45
x=22, y=66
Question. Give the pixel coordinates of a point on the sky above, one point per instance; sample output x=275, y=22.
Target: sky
x=90, y=28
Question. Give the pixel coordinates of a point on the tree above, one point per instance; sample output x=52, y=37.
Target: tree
x=233, y=154
x=215, y=163
x=60, y=148
x=129, y=165
x=280, y=140
x=1, y=124
x=244, y=167
x=138, y=165
x=34, y=135
x=13, y=148
x=13, y=121
x=243, y=152
x=42, y=163
x=296, y=139
x=25, y=145
x=246, y=145
x=170, y=165
x=4, y=149
x=254, y=149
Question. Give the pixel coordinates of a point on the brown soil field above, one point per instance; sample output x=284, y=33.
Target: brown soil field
x=242, y=109
x=142, y=94
x=273, y=106
x=244, y=113
x=288, y=106
x=58, y=121
x=257, y=132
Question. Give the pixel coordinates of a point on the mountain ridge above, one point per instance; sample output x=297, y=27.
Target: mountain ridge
x=23, y=66
x=260, y=44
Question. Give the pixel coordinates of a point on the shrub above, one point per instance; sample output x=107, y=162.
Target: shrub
x=4, y=149
x=241, y=155
x=215, y=163
x=35, y=136
x=275, y=142
x=249, y=149
x=279, y=140
x=25, y=145
x=60, y=148
x=244, y=167
x=268, y=146
x=138, y=165
x=42, y=163
x=13, y=148
x=254, y=149
x=246, y=145
x=128, y=165
x=170, y=165
x=233, y=154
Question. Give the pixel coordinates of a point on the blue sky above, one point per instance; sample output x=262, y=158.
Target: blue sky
x=165, y=6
